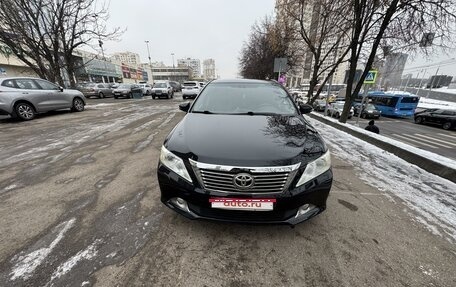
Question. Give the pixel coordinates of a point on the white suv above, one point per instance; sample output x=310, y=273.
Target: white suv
x=190, y=89
x=335, y=110
x=146, y=89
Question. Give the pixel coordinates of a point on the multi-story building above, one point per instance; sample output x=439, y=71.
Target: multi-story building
x=302, y=72
x=177, y=74
x=193, y=64
x=128, y=58
x=391, y=69
x=209, y=69
x=11, y=66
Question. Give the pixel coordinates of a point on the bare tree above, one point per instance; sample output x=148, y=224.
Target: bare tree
x=399, y=22
x=45, y=33
x=324, y=29
x=267, y=41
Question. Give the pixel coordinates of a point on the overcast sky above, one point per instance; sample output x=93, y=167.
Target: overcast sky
x=198, y=29
x=205, y=29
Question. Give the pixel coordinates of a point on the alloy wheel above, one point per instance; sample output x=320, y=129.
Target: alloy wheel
x=25, y=111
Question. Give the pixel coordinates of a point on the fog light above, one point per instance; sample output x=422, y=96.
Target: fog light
x=304, y=209
x=180, y=203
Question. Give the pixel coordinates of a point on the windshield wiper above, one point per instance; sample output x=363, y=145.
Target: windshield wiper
x=250, y=113
x=202, y=112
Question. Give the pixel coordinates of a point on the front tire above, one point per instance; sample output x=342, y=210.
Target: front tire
x=153, y=97
x=78, y=105
x=24, y=111
x=446, y=126
x=418, y=120
x=101, y=96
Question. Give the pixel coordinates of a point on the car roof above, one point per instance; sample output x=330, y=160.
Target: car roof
x=242, y=81
x=14, y=78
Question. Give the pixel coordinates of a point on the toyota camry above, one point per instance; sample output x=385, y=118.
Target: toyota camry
x=245, y=153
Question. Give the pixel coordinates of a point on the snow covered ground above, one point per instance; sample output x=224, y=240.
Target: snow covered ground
x=427, y=154
x=426, y=103
x=445, y=90
x=432, y=198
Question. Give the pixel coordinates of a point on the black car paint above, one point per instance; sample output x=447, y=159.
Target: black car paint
x=441, y=117
x=245, y=140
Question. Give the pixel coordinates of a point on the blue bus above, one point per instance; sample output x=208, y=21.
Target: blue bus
x=395, y=104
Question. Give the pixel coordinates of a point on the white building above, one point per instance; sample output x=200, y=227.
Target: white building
x=302, y=72
x=209, y=69
x=128, y=58
x=193, y=64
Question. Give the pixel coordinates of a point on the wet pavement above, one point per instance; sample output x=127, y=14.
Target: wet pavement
x=79, y=206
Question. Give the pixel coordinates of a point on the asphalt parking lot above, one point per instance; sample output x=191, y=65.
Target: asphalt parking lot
x=79, y=206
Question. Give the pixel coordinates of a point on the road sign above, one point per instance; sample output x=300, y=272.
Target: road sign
x=371, y=77
x=280, y=65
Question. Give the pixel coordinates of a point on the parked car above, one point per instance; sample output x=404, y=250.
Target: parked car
x=176, y=86
x=202, y=84
x=319, y=105
x=162, y=90
x=241, y=154
x=190, y=90
x=369, y=111
x=25, y=97
x=335, y=110
x=441, y=117
x=125, y=91
x=146, y=89
x=99, y=90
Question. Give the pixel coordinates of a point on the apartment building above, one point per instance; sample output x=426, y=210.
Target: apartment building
x=209, y=69
x=301, y=73
x=193, y=64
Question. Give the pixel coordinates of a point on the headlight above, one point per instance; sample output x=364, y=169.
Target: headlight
x=174, y=163
x=315, y=168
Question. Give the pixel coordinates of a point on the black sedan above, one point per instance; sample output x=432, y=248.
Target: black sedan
x=368, y=111
x=126, y=91
x=245, y=153
x=444, y=118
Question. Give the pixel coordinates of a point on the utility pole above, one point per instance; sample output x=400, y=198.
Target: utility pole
x=172, y=74
x=150, y=62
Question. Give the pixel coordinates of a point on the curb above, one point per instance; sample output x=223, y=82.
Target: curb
x=418, y=160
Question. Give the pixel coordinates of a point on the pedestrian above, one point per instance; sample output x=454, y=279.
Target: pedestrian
x=372, y=127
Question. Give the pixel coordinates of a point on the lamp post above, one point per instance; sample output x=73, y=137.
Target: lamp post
x=172, y=74
x=150, y=62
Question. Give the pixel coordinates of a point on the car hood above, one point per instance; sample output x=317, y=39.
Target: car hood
x=121, y=90
x=245, y=140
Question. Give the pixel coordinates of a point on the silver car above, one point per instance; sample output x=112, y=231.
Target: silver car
x=25, y=97
x=99, y=90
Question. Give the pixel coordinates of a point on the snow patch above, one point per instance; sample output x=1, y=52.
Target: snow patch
x=431, y=197
x=10, y=187
x=87, y=254
x=426, y=103
x=25, y=265
x=427, y=154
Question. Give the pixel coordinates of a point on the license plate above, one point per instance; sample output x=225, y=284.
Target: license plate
x=243, y=204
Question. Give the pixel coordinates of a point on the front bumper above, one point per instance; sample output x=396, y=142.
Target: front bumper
x=197, y=205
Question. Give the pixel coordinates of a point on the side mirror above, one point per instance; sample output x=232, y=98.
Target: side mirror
x=61, y=89
x=184, y=107
x=305, y=108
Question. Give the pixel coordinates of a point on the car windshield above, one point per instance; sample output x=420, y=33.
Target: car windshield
x=160, y=85
x=370, y=107
x=124, y=86
x=241, y=98
x=189, y=84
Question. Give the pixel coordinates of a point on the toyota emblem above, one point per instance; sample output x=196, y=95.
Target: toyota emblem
x=243, y=181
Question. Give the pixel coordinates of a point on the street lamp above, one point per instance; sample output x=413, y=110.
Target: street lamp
x=172, y=73
x=150, y=62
